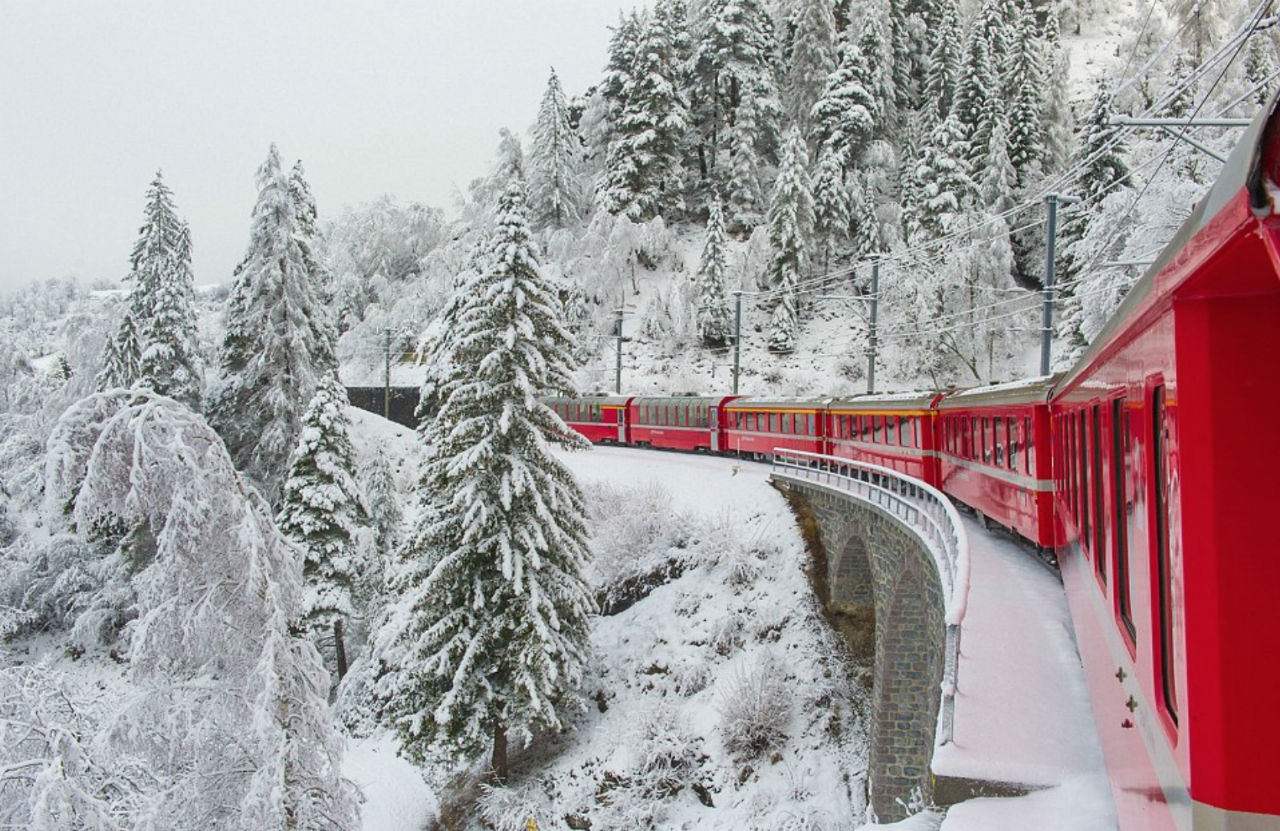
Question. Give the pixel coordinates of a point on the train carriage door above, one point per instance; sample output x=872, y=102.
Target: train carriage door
x=622, y=425
x=713, y=422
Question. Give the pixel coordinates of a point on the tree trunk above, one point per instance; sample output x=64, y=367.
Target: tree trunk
x=500, y=753
x=339, y=648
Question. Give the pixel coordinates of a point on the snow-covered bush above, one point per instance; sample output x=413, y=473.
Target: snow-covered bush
x=639, y=540
x=755, y=709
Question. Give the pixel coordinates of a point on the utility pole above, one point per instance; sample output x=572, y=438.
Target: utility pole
x=872, y=342
x=737, y=336
x=1046, y=322
x=617, y=375
x=386, y=378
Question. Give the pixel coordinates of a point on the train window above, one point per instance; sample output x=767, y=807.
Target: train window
x=1027, y=444
x=876, y=424
x=986, y=440
x=1015, y=443
x=904, y=431
x=773, y=422
x=1082, y=496
x=1164, y=575
x=1121, y=508
x=811, y=420
x=1099, y=524
x=998, y=440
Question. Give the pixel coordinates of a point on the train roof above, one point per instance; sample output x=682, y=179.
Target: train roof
x=894, y=401
x=779, y=404
x=606, y=400
x=696, y=400
x=1026, y=391
x=1252, y=166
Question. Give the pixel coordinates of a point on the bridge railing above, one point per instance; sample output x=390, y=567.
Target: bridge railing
x=927, y=512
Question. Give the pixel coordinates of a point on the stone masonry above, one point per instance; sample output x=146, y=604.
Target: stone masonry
x=872, y=558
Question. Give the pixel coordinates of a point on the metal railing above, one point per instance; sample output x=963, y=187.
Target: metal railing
x=929, y=514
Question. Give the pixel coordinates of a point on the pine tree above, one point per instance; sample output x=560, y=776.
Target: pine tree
x=321, y=512
x=1026, y=106
x=642, y=170
x=998, y=175
x=491, y=636
x=944, y=72
x=383, y=501
x=121, y=354
x=745, y=185
x=847, y=114
x=1104, y=165
x=156, y=344
x=878, y=64
x=832, y=212
x=979, y=87
x=1058, y=121
x=624, y=44
x=812, y=58
x=709, y=283
x=868, y=241
x=790, y=227
x=734, y=68
x=279, y=339
x=1260, y=66
x=555, y=162
x=940, y=183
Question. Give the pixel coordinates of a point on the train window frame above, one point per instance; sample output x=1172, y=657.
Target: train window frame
x=877, y=428
x=997, y=446
x=1121, y=447
x=1028, y=446
x=1098, y=493
x=986, y=440
x=1015, y=442
x=773, y=422
x=811, y=423
x=1162, y=554
x=1082, y=494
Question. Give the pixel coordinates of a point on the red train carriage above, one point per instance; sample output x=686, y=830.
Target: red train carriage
x=1167, y=506
x=679, y=423
x=993, y=457
x=599, y=418
x=755, y=426
x=894, y=431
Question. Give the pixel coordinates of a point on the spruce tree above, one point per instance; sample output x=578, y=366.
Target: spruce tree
x=978, y=88
x=812, y=58
x=121, y=355
x=279, y=340
x=709, y=283
x=383, y=501
x=790, y=227
x=943, y=74
x=642, y=169
x=491, y=635
x=832, y=211
x=555, y=163
x=1057, y=121
x=940, y=185
x=847, y=114
x=321, y=512
x=877, y=56
x=156, y=344
x=1104, y=166
x=1026, y=105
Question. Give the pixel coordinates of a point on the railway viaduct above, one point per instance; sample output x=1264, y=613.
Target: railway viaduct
x=878, y=576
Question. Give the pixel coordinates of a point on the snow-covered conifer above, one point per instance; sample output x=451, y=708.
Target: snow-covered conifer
x=832, y=211
x=943, y=74
x=1058, y=121
x=491, y=634
x=940, y=184
x=383, y=500
x=156, y=345
x=791, y=221
x=975, y=94
x=321, y=512
x=709, y=283
x=1026, y=106
x=812, y=58
x=642, y=168
x=279, y=339
x=998, y=181
x=555, y=161
x=1103, y=151
x=847, y=113
x=624, y=43
x=121, y=354
x=877, y=54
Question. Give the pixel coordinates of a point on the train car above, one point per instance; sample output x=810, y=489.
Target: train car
x=1164, y=460
x=755, y=426
x=993, y=455
x=602, y=419
x=894, y=431
x=682, y=422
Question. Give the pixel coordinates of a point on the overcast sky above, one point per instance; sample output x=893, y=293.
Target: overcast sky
x=377, y=97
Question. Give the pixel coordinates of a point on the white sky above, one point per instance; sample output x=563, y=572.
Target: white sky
x=374, y=97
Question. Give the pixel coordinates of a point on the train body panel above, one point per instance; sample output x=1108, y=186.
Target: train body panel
x=894, y=431
x=601, y=419
x=989, y=450
x=754, y=427
x=693, y=423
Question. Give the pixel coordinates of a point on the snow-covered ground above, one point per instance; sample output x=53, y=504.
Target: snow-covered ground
x=729, y=615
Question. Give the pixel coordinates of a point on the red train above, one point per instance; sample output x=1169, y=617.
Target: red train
x=1145, y=468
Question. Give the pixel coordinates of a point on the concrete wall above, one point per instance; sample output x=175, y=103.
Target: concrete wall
x=872, y=559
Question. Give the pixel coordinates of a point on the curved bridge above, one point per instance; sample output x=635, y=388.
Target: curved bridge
x=897, y=555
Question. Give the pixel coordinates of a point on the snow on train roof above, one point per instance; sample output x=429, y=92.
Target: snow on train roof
x=777, y=403
x=1026, y=389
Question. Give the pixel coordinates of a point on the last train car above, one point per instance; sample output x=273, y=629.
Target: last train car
x=1166, y=454
x=601, y=419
